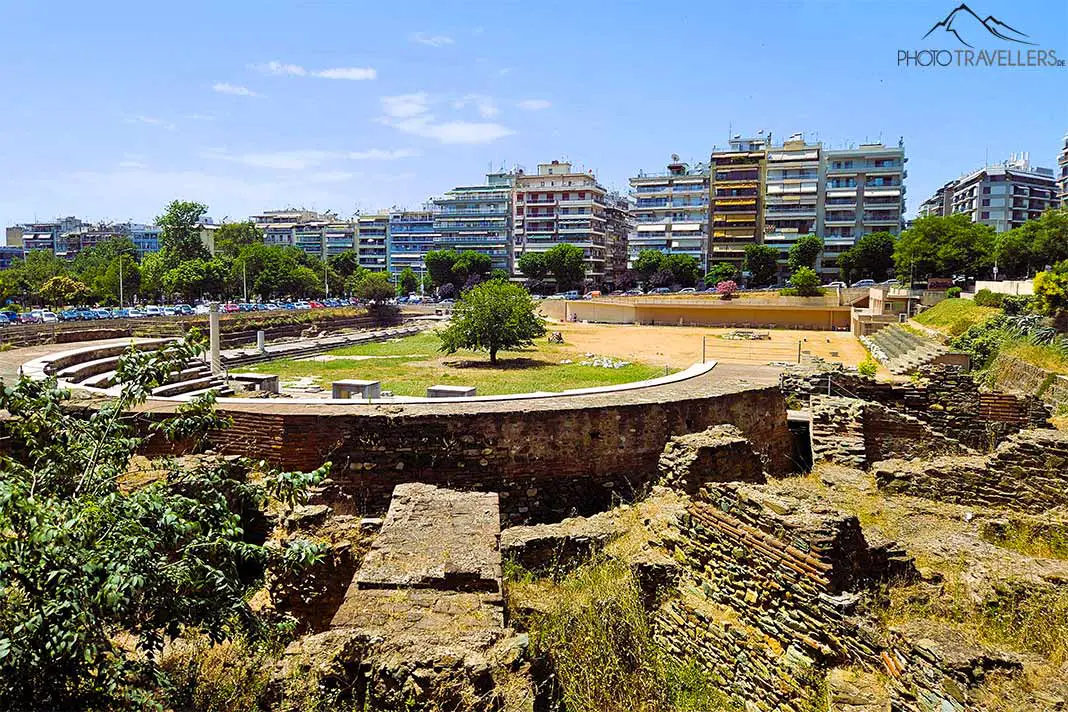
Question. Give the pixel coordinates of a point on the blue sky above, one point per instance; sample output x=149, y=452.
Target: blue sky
x=109, y=110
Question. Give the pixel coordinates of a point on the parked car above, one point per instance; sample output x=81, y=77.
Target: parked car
x=863, y=283
x=633, y=293
x=12, y=316
x=101, y=313
x=662, y=290
x=136, y=313
x=45, y=316
x=153, y=310
x=688, y=290
x=301, y=305
x=4, y=321
x=201, y=309
x=229, y=308
x=315, y=305
x=837, y=285
x=183, y=309
x=67, y=315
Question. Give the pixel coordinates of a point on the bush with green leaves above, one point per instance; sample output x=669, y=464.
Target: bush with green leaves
x=96, y=574
x=868, y=367
x=494, y=316
x=805, y=282
x=987, y=298
x=953, y=292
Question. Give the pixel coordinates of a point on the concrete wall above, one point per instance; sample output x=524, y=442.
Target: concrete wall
x=713, y=312
x=1017, y=288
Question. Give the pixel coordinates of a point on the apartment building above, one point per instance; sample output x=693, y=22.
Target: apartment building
x=372, y=239
x=560, y=205
x=736, y=186
x=477, y=217
x=671, y=211
x=792, y=195
x=411, y=236
x=864, y=192
x=619, y=229
x=1062, y=179
x=50, y=235
x=318, y=234
x=1003, y=196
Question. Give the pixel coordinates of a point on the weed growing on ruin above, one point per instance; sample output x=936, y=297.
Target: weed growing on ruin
x=598, y=640
x=224, y=677
x=1049, y=541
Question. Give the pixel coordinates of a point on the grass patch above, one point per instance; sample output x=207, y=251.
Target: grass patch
x=598, y=639
x=955, y=316
x=407, y=366
x=1047, y=357
x=1048, y=540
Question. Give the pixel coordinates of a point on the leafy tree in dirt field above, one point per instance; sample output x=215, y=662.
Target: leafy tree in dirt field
x=806, y=282
x=95, y=574
x=804, y=252
x=494, y=316
x=761, y=262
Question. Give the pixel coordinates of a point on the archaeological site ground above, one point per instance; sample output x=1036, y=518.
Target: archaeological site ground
x=678, y=518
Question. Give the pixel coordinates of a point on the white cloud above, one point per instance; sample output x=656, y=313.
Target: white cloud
x=487, y=109
x=430, y=40
x=534, y=104
x=234, y=89
x=351, y=73
x=410, y=113
x=200, y=117
x=282, y=69
x=405, y=105
x=301, y=160
x=152, y=121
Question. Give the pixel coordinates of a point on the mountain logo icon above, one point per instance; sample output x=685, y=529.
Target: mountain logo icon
x=962, y=22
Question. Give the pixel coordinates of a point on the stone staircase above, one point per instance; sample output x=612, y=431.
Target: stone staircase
x=96, y=368
x=902, y=351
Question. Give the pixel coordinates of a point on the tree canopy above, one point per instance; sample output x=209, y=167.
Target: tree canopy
x=870, y=257
x=180, y=238
x=493, y=316
x=647, y=263
x=1034, y=246
x=566, y=264
x=936, y=246
x=722, y=272
x=95, y=576
x=761, y=261
x=804, y=252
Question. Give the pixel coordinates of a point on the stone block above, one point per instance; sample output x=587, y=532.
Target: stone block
x=451, y=392
x=719, y=454
x=353, y=387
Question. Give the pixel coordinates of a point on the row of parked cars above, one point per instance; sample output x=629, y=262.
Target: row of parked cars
x=45, y=316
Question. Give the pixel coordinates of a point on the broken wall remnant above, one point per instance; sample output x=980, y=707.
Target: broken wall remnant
x=1028, y=472
x=720, y=454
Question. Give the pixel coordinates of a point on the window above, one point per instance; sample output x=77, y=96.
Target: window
x=986, y=202
x=986, y=190
x=581, y=195
x=984, y=215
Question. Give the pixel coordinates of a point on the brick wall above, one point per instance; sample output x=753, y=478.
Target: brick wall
x=546, y=462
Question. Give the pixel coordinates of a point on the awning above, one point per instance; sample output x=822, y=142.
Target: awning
x=652, y=228
x=685, y=227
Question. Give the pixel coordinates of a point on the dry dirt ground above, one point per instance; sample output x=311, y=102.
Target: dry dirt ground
x=680, y=346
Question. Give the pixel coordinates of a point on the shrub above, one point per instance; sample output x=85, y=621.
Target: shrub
x=868, y=367
x=806, y=282
x=986, y=298
x=726, y=289
x=953, y=292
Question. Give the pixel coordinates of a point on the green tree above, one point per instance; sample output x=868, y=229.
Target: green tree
x=1051, y=290
x=63, y=290
x=761, y=262
x=494, y=316
x=470, y=264
x=439, y=265
x=806, y=282
x=92, y=264
x=39, y=266
x=936, y=246
x=647, y=263
x=108, y=284
x=152, y=270
x=804, y=252
x=375, y=287
x=231, y=237
x=534, y=266
x=345, y=263
x=567, y=266
x=685, y=269
x=1051, y=239
x=95, y=576
x=870, y=257
x=407, y=282
x=180, y=238
x=723, y=272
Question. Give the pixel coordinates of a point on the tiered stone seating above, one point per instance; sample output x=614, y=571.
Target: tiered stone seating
x=903, y=351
